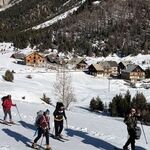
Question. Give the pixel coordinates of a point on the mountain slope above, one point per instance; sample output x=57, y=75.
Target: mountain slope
x=99, y=27
x=29, y=13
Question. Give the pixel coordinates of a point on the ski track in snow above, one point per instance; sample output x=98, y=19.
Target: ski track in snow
x=4, y=147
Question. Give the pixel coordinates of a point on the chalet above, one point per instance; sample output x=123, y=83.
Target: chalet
x=34, y=59
x=114, y=67
x=18, y=56
x=78, y=63
x=123, y=65
x=110, y=68
x=133, y=72
x=53, y=58
x=95, y=69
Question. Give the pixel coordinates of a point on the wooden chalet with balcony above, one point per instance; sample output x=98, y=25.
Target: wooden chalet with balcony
x=133, y=72
x=35, y=58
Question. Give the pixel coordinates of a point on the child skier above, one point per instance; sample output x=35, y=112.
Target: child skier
x=43, y=129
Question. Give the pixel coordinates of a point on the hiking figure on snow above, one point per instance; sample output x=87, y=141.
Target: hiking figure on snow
x=131, y=122
x=59, y=114
x=43, y=127
x=7, y=104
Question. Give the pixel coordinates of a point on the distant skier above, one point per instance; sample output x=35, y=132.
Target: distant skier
x=7, y=103
x=59, y=114
x=43, y=129
x=131, y=122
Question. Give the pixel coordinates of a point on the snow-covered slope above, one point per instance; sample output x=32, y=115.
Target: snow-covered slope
x=86, y=130
x=5, y=4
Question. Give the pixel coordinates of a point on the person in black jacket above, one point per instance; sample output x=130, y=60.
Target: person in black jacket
x=131, y=122
x=59, y=115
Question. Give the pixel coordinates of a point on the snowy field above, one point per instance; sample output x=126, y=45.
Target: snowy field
x=86, y=130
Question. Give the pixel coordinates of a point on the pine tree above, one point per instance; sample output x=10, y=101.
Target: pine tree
x=139, y=101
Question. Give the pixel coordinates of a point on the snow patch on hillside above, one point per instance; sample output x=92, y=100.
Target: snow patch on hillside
x=57, y=18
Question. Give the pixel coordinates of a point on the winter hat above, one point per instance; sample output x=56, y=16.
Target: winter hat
x=47, y=111
x=59, y=104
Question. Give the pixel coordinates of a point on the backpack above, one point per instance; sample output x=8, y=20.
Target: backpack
x=3, y=99
x=37, y=119
x=137, y=132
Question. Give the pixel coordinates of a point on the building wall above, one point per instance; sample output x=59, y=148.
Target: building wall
x=137, y=75
x=133, y=75
x=34, y=59
x=114, y=71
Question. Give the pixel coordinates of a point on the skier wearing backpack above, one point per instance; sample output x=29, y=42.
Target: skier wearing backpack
x=43, y=129
x=59, y=114
x=131, y=122
x=7, y=104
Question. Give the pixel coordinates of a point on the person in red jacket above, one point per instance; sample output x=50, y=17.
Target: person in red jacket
x=7, y=104
x=43, y=129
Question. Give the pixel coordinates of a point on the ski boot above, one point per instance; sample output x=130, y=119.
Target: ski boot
x=125, y=148
x=48, y=147
x=34, y=145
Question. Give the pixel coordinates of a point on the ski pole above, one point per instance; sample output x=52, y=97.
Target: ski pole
x=41, y=142
x=144, y=133
x=18, y=112
x=53, y=130
x=66, y=124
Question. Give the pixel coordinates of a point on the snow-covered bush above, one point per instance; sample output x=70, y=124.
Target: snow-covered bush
x=8, y=76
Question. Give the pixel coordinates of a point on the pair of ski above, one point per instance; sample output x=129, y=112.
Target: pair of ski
x=7, y=123
x=116, y=148
x=61, y=139
x=39, y=147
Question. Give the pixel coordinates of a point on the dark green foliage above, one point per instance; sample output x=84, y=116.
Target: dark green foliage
x=96, y=104
x=46, y=99
x=147, y=73
x=81, y=29
x=120, y=105
x=139, y=101
x=8, y=76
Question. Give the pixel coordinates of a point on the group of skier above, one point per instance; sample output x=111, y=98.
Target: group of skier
x=43, y=123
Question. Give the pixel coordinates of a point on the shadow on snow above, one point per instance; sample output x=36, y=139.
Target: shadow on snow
x=18, y=137
x=98, y=143
x=27, y=125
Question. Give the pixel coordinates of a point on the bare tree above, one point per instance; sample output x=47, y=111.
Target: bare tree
x=63, y=88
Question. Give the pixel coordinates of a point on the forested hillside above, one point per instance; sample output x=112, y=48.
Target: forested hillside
x=102, y=27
